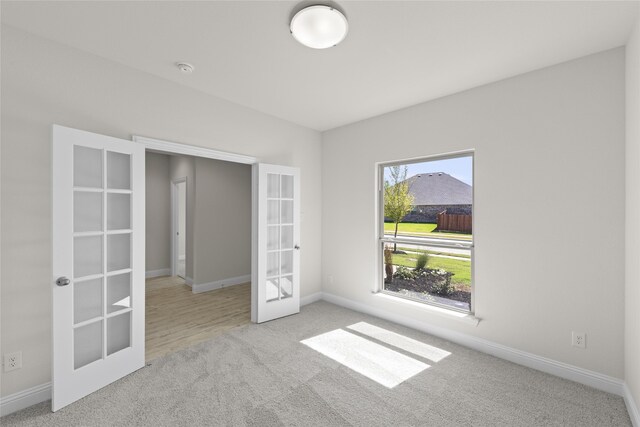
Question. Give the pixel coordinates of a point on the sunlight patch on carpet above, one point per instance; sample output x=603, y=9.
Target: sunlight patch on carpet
x=400, y=341
x=381, y=364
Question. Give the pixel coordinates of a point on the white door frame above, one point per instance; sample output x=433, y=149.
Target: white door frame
x=167, y=147
x=175, y=242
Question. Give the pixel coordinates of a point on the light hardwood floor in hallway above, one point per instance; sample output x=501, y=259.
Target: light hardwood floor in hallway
x=177, y=318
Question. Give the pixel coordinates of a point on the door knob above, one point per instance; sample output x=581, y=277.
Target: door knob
x=296, y=247
x=62, y=281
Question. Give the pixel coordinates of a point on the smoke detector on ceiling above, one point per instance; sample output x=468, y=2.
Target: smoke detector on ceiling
x=185, y=67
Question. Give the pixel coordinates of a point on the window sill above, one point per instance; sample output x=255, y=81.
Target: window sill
x=467, y=318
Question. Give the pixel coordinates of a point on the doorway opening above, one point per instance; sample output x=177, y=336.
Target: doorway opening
x=198, y=250
x=271, y=231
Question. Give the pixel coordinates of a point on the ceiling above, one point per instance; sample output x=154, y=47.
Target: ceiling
x=396, y=54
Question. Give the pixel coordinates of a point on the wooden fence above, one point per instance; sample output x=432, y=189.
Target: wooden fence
x=452, y=222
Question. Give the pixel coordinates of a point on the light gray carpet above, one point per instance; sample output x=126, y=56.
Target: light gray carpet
x=260, y=375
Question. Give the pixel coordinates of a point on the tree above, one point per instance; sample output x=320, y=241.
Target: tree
x=397, y=200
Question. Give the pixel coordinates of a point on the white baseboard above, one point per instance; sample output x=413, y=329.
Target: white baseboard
x=25, y=398
x=188, y=281
x=311, y=298
x=559, y=369
x=204, y=287
x=632, y=408
x=157, y=273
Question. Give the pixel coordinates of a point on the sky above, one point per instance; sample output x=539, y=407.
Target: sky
x=459, y=167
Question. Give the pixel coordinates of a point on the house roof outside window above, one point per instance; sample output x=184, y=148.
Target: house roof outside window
x=439, y=188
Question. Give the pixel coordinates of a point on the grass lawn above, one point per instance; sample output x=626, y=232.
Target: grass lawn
x=459, y=267
x=410, y=227
x=421, y=230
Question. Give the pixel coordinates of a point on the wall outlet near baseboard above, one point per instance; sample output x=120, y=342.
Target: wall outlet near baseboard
x=12, y=361
x=578, y=339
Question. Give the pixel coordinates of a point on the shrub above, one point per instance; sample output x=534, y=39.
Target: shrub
x=403, y=273
x=440, y=281
x=421, y=262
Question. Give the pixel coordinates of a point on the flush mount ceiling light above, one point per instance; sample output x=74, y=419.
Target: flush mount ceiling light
x=319, y=26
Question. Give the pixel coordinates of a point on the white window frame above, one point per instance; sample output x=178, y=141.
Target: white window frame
x=381, y=239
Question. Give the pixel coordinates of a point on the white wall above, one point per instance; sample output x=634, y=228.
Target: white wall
x=549, y=206
x=43, y=83
x=158, y=212
x=632, y=279
x=222, y=246
x=185, y=167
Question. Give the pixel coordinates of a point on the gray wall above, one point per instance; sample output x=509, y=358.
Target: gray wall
x=218, y=237
x=549, y=139
x=632, y=276
x=44, y=82
x=158, y=212
x=185, y=167
x=222, y=243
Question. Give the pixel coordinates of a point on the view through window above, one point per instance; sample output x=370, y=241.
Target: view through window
x=426, y=232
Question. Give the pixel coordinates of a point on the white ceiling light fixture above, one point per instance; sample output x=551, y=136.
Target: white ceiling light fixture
x=319, y=26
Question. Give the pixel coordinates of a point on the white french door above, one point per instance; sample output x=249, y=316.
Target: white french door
x=98, y=262
x=276, y=277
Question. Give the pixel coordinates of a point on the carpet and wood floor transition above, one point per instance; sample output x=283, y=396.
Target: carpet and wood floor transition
x=262, y=375
x=176, y=318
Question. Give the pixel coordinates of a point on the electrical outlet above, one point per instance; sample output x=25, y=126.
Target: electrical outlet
x=12, y=361
x=579, y=339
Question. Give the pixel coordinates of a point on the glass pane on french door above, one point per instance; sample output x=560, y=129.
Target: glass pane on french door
x=101, y=254
x=280, y=244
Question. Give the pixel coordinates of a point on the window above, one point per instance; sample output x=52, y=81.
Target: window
x=426, y=230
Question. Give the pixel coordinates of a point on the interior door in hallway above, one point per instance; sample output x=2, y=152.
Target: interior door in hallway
x=179, y=200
